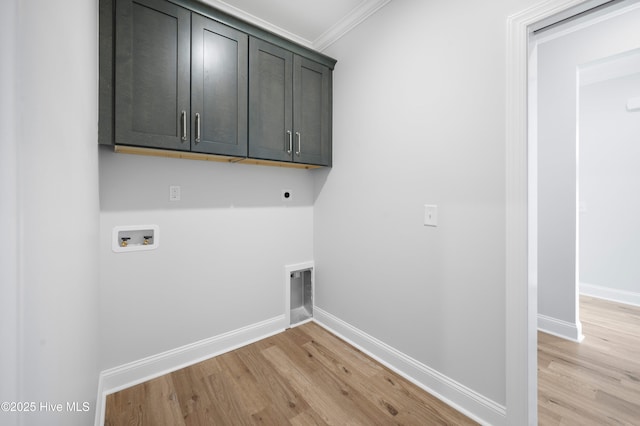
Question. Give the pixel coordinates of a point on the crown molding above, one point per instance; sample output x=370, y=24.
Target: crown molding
x=361, y=12
x=365, y=9
x=252, y=19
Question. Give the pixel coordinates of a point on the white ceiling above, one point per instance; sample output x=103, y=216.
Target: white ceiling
x=312, y=23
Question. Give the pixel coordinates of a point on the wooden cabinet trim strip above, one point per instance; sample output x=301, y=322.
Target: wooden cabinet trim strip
x=124, y=149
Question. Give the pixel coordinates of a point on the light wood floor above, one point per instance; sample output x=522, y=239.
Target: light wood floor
x=304, y=376
x=596, y=382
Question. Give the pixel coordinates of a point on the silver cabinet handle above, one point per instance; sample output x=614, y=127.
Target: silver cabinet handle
x=197, y=127
x=184, y=125
x=299, y=144
x=290, y=142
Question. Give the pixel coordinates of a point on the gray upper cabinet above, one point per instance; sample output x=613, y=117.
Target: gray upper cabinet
x=289, y=106
x=152, y=66
x=218, y=88
x=181, y=80
x=312, y=100
x=180, y=75
x=270, y=102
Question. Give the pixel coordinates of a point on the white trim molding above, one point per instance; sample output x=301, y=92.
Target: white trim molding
x=521, y=293
x=136, y=372
x=348, y=23
x=351, y=20
x=458, y=396
x=259, y=22
x=564, y=329
x=521, y=244
x=612, y=294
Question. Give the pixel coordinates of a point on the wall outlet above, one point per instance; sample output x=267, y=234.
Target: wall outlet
x=174, y=193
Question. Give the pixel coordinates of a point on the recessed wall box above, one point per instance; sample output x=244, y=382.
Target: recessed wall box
x=299, y=294
x=135, y=238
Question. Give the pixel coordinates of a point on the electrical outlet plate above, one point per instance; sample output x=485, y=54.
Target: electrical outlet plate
x=174, y=193
x=135, y=238
x=430, y=215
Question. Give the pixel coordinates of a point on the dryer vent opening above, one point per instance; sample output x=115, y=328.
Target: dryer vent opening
x=301, y=296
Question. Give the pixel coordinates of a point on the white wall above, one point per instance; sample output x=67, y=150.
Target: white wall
x=609, y=182
x=419, y=94
x=8, y=212
x=49, y=208
x=558, y=59
x=223, y=248
x=418, y=119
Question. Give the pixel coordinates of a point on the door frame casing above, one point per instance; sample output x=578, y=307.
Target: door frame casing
x=521, y=207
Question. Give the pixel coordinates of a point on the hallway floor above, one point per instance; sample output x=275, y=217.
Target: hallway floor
x=596, y=382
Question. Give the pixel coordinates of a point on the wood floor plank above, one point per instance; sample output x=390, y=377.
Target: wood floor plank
x=308, y=418
x=283, y=397
x=151, y=403
x=343, y=351
x=227, y=399
x=197, y=408
x=244, y=383
x=396, y=399
x=303, y=376
x=595, y=382
x=331, y=404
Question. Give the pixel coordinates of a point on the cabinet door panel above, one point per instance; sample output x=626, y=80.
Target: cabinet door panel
x=219, y=88
x=270, y=101
x=152, y=73
x=312, y=112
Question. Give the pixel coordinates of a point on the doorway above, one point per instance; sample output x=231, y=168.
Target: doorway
x=565, y=54
x=522, y=202
x=609, y=180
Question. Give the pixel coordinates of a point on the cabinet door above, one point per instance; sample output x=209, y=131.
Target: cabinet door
x=219, y=67
x=311, y=112
x=152, y=74
x=270, y=101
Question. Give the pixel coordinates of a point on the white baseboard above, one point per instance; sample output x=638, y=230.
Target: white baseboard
x=560, y=328
x=620, y=296
x=133, y=373
x=463, y=399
